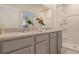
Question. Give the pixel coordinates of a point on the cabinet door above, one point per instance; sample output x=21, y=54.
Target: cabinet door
x=59, y=41
x=42, y=47
x=15, y=44
x=53, y=45
x=28, y=50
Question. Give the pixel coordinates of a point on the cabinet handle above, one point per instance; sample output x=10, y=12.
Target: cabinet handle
x=41, y=41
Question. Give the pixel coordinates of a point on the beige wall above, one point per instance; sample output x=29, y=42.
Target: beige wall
x=68, y=16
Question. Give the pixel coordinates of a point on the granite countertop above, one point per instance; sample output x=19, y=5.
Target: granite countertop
x=10, y=36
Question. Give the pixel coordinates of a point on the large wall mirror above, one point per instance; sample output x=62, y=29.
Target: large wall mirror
x=17, y=16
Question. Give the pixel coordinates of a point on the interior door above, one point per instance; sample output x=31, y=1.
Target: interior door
x=73, y=29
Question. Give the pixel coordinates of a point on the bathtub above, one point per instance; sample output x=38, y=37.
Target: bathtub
x=69, y=48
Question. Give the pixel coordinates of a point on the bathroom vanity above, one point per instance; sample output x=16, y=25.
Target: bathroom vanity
x=45, y=42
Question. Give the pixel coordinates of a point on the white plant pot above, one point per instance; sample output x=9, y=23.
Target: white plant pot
x=30, y=27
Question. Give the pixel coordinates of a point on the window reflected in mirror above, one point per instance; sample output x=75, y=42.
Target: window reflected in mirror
x=28, y=18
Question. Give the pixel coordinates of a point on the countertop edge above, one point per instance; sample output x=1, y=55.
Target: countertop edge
x=23, y=35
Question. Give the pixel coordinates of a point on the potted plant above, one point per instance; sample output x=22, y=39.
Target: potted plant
x=40, y=22
x=29, y=21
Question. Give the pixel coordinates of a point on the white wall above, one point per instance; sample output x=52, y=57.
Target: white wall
x=8, y=16
x=72, y=17
x=71, y=9
x=59, y=16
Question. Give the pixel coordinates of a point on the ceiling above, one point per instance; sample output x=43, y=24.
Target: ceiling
x=32, y=7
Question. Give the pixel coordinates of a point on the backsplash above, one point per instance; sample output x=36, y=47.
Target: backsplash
x=12, y=30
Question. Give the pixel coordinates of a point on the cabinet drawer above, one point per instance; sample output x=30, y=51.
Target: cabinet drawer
x=53, y=35
x=9, y=46
x=28, y=50
x=42, y=37
x=42, y=48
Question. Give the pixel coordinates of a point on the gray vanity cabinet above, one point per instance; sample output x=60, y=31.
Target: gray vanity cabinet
x=53, y=43
x=42, y=44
